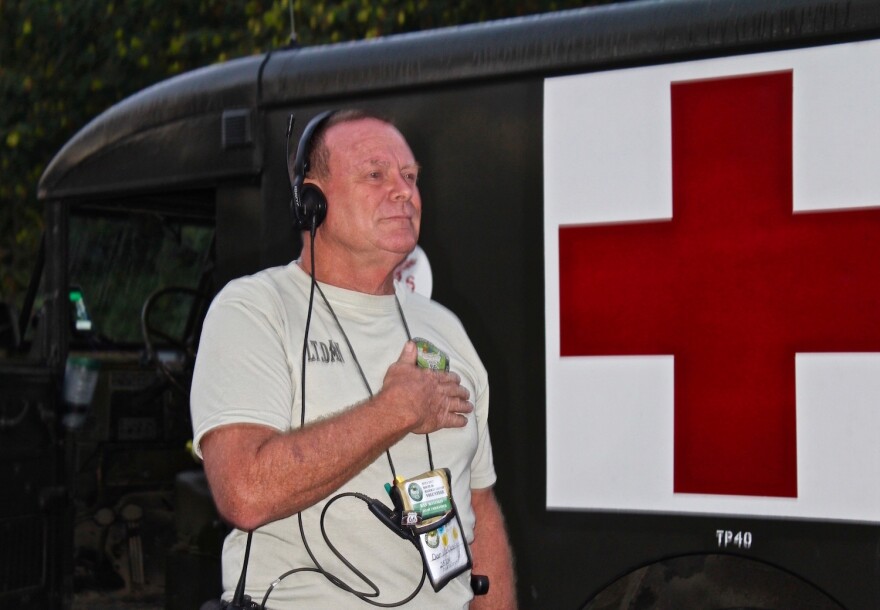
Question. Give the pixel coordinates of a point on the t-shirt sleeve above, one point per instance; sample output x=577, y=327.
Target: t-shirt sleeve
x=482, y=466
x=243, y=371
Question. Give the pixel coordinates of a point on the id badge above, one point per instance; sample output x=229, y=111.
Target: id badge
x=445, y=552
x=428, y=510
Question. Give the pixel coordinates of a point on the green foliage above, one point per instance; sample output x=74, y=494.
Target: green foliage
x=62, y=62
x=323, y=22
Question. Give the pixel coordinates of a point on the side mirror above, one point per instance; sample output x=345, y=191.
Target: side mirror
x=10, y=335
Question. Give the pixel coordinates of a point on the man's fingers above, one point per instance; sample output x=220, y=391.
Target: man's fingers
x=459, y=417
x=408, y=354
x=450, y=381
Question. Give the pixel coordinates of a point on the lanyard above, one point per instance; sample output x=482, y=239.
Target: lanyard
x=363, y=375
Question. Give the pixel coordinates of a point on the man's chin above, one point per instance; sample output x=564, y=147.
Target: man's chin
x=400, y=245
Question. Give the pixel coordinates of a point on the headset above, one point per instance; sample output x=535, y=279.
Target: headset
x=308, y=205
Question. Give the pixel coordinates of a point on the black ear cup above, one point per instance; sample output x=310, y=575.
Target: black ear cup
x=308, y=206
x=313, y=205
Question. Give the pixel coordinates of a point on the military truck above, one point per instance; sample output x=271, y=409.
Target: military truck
x=561, y=153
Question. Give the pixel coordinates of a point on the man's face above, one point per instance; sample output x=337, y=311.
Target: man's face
x=373, y=203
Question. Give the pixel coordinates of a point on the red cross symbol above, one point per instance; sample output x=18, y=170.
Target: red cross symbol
x=733, y=286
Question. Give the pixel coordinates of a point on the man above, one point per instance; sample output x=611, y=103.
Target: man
x=368, y=406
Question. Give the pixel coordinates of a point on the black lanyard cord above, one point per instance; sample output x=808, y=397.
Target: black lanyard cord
x=364, y=376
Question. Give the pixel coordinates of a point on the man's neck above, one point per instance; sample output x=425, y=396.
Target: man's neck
x=375, y=281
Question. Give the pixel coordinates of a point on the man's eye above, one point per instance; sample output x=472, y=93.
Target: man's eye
x=375, y=175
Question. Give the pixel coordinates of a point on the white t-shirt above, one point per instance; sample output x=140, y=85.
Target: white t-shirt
x=248, y=371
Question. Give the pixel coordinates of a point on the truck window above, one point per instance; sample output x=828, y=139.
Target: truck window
x=117, y=260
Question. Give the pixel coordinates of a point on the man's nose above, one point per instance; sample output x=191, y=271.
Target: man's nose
x=402, y=189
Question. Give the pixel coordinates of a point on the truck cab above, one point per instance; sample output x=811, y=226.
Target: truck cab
x=158, y=202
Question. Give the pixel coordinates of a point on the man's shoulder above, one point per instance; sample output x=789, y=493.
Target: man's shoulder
x=270, y=281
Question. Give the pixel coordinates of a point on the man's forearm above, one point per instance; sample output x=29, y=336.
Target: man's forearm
x=491, y=554
x=258, y=474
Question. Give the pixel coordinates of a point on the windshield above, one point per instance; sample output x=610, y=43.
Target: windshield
x=117, y=261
